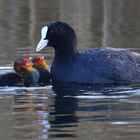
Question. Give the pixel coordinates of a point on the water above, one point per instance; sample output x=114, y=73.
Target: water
x=63, y=112
x=70, y=112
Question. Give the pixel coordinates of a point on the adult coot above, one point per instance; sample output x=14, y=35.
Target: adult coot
x=99, y=65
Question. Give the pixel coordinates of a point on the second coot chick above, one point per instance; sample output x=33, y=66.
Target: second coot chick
x=40, y=64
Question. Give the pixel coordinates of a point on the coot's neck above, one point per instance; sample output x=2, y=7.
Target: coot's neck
x=66, y=54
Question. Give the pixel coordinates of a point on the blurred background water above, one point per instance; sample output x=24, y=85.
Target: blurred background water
x=76, y=112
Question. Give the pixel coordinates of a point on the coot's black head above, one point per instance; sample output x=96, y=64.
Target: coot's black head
x=58, y=35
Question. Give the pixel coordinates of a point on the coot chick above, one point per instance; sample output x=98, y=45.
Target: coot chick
x=24, y=67
x=11, y=77
x=95, y=66
x=40, y=64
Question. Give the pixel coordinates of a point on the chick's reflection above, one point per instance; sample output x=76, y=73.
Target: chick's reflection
x=31, y=114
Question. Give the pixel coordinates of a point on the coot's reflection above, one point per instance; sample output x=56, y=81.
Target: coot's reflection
x=63, y=117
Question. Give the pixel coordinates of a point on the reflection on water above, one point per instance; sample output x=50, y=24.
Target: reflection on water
x=95, y=112
x=31, y=114
x=64, y=113
x=69, y=111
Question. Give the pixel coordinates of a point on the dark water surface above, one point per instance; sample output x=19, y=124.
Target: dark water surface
x=69, y=112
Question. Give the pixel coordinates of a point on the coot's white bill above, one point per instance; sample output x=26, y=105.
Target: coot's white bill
x=43, y=42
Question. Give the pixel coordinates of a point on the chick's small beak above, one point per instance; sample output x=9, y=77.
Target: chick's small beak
x=27, y=65
x=42, y=44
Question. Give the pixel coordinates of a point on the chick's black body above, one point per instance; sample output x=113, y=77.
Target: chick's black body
x=44, y=78
x=10, y=79
x=31, y=78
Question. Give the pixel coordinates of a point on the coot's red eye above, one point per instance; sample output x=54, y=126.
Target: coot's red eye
x=51, y=32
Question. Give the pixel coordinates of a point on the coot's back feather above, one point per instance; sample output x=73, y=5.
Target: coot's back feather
x=100, y=65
